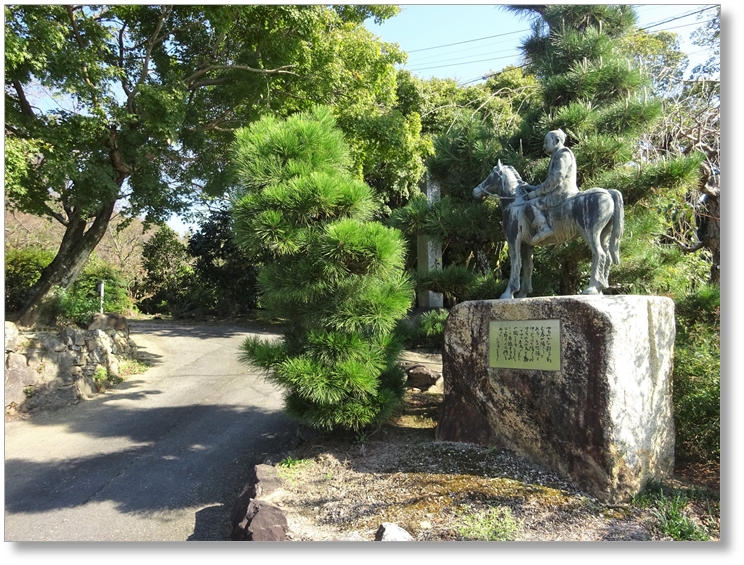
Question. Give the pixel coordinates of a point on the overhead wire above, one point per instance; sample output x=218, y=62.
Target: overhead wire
x=415, y=67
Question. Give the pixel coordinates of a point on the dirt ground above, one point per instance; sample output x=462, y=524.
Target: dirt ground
x=344, y=488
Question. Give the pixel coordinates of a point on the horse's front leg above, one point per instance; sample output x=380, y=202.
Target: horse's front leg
x=527, y=265
x=515, y=257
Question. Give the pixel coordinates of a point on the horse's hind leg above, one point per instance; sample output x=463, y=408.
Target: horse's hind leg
x=527, y=265
x=599, y=262
x=606, y=234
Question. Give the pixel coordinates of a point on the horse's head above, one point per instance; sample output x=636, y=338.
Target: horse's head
x=502, y=182
x=491, y=184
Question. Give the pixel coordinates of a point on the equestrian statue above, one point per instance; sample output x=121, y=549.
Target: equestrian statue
x=554, y=212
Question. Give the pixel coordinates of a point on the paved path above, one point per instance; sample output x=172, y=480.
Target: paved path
x=161, y=457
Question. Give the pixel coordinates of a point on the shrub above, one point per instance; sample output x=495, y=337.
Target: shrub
x=697, y=375
x=491, y=524
x=83, y=299
x=22, y=269
x=333, y=275
x=425, y=330
x=170, y=281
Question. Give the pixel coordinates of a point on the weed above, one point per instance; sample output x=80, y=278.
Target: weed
x=669, y=509
x=674, y=523
x=289, y=467
x=132, y=367
x=101, y=375
x=493, y=524
x=290, y=462
x=28, y=391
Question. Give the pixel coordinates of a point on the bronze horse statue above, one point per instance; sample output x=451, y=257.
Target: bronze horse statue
x=596, y=215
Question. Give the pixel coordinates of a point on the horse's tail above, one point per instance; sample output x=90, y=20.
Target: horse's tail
x=618, y=225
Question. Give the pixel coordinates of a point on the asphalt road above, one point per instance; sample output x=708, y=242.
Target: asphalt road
x=161, y=457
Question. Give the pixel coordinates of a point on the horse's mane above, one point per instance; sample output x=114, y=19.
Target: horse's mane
x=513, y=171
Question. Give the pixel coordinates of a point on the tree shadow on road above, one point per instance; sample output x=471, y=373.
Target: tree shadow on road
x=182, y=457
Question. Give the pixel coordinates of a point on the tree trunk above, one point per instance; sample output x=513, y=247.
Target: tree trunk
x=708, y=220
x=75, y=249
x=711, y=235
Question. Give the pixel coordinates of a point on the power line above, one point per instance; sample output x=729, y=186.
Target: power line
x=468, y=41
x=675, y=18
x=434, y=64
x=460, y=64
x=417, y=68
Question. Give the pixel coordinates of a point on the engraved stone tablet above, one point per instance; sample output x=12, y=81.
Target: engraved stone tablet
x=525, y=344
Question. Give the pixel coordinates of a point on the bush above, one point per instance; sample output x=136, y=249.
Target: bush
x=425, y=330
x=335, y=276
x=83, y=300
x=697, y=376
x=222, y=267
x=170, y=282
x=492, y=524
x=22, y=269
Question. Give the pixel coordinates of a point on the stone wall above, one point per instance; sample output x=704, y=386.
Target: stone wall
x=55, y=368
x=602, y=416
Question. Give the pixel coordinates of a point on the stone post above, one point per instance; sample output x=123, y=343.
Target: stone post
x=579, y=384
x=429, y=253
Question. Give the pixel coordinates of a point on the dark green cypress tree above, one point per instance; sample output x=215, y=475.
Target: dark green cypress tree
x=331, y=273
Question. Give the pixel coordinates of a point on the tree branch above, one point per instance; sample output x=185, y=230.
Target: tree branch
x=76, y=33
x=26, y=108
x=683, y=246
x=190, y=81
x=151, y=42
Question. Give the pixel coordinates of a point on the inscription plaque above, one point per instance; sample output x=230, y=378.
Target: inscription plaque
x=525, y=344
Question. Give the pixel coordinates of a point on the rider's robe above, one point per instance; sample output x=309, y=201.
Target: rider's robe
x=560, y=183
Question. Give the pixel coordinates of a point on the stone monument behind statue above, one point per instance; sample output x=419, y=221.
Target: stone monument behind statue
x=580, y=384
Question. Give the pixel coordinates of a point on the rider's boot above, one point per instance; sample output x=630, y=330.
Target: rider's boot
x=543, y=230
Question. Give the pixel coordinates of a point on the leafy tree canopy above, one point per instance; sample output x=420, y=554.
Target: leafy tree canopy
x=144, y=100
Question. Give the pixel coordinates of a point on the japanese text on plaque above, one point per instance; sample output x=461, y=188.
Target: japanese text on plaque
x=525, y=344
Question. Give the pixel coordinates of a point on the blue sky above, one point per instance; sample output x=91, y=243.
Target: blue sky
x=428, y=31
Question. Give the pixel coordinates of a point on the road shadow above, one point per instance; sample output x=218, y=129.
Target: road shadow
x=212, y=524
x=200, y=331
x=185, y=456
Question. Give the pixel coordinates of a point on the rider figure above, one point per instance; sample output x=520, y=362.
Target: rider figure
x=558, y=186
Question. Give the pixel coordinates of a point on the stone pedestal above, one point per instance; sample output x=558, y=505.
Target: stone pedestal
x=579, y=384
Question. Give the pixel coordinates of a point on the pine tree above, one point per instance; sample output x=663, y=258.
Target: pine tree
x=331, y=273
x=595, y=92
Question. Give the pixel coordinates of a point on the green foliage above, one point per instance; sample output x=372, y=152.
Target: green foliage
x=425, y=330
x=22, y=269
x=290, y=462
x=470, y=232
x=669, y=510
x=697, y=375
x=492, y=524
x=83, y=299
x=169, y=281
x=659, y=56
x=103, y=378
x=454, y=281
x=100, y=375
x=221, y=268
x=333, y=275
x=147, y=98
